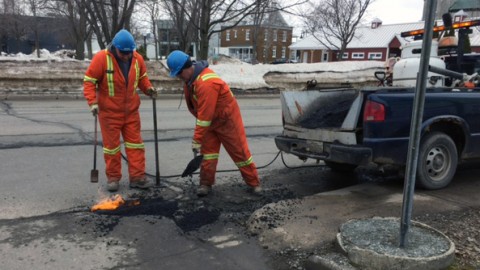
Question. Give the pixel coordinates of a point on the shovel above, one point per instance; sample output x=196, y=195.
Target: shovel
x=193, y=165
x=94, y=172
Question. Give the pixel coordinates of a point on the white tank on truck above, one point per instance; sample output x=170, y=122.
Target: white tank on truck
x=406, y=69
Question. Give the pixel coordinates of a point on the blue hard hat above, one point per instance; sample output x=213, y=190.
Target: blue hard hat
x=175, y=62
x=124, y=41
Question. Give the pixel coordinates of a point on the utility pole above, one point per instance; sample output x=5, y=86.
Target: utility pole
x=415, y=126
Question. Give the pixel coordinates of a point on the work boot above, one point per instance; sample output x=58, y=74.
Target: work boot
x=203, y=190
x=142, y=184
x=257, y=190
x=112, y=186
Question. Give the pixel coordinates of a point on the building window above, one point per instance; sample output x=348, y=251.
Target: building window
x=266, y=35
x=227, y=38
x=375, y=55
x=274, y=35
x=357, y=55
x=234, y=33
x=284, y=52
x=247, y=34
x=345, y=55
x=274, y=52
x=284, y=39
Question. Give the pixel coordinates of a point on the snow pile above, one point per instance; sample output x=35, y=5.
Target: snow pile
x=59, y=67
x=246, y=76
x=44, y=55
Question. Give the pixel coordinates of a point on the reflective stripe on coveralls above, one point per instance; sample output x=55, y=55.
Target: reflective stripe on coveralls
x=244, y=163
x=134, y=145
x=111, y=151
x=109, y=71
x=89, y=79
x=137, y=77
x=211, y=156
x=203, y=123
x=204, y=78
x=127, y=145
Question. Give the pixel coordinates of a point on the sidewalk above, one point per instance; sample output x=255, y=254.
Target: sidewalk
x=314, y=221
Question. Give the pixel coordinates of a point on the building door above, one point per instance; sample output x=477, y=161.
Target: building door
x=305, y=57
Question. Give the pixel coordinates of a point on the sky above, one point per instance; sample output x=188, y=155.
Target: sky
x=396, y=11
x=389, y=11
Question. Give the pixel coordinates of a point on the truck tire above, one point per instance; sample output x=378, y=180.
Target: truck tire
x=340, y=167
x=438, y=159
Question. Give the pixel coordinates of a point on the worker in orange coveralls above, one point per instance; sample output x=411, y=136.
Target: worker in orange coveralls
x=110, y=85
x=218, y=122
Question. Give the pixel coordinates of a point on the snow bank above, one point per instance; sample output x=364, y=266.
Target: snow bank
x=61, y=55
x=54, y=70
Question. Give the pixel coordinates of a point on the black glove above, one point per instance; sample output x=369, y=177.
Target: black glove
x=152, y=92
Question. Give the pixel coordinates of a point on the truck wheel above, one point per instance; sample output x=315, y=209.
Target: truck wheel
x=438, y=160
x=340, y=167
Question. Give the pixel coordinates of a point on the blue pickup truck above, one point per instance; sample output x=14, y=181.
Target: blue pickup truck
x=346, y=128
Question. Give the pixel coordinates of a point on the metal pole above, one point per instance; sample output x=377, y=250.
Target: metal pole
x=157, y=165
x=416, y=122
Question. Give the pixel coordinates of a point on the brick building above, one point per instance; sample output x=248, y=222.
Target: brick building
x=262, y=43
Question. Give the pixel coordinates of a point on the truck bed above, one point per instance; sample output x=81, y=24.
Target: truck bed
x=328, y=124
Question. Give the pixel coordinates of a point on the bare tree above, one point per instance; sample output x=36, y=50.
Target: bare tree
x=12, y=25
x=152, y=8
x=34, y=6
x=185, y=27
x=206, y=15
x=258, y=17
x=75, y=12
x=202, y=17
x=333, y=22
x=107, y=17
x=8, y=6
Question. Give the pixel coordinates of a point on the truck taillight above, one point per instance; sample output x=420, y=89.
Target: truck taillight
x=374, y=112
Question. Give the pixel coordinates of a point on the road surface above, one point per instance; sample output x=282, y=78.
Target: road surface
x=46, y=154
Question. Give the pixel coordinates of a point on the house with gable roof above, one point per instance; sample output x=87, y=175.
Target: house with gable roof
x=271, y=37
x=375, y=42
x=380, y=42
x=466, y=8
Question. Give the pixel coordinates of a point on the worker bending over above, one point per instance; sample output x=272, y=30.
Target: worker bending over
x=219, y=121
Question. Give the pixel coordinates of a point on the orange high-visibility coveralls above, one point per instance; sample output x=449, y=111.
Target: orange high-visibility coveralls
x=118, y=104
x=219, y=121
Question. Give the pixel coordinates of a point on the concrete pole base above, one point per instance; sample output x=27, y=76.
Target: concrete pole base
x=374, y=244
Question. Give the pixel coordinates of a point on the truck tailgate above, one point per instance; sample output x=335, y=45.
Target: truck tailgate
x=321, y=115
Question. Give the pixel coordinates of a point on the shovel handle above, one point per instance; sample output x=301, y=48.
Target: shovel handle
x=95, y=145
x=94, y=172
x=157, y=166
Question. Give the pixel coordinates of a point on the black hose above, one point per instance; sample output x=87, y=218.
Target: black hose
x=234, y=170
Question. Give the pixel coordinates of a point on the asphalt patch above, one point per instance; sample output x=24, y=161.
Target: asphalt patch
x=187, y=221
